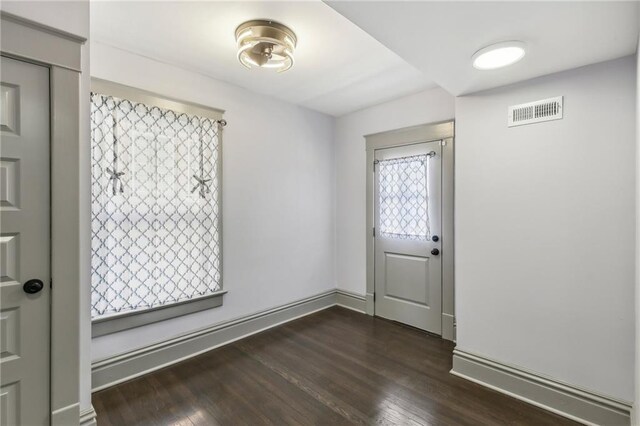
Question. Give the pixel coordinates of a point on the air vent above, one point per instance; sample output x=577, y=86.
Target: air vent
x=535, y=112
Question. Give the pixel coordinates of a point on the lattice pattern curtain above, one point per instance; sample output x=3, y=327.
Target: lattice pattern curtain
x=155, y=206
x=404, y=197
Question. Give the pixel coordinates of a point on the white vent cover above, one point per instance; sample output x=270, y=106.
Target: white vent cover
x=536, y=112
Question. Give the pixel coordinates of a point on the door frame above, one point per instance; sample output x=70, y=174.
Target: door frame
x=60, y=52
x=445, y=131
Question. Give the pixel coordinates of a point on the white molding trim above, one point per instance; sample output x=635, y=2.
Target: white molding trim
x=26, y=39
x=561, y=398
x=350, y=300
x=430, y=132
x=116, y=323
x=66, y=416
x=61, y=52
x=448, y=327
x=146, y=97
x=410, y=135
x=88, y=417
x=126, y=366
x=370, y=300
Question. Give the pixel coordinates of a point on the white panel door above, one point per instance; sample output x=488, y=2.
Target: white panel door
x=408, y=266
x=24, y=244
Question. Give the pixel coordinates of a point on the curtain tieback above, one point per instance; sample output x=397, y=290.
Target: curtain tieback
x=115, y=177
x=203, y=184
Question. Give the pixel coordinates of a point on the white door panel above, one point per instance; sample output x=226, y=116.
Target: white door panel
x=415, y=273
x=408, y=266
x=24, y=243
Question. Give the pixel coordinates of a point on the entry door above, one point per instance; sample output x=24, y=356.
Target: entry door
x=24, y=244
x=408, y=266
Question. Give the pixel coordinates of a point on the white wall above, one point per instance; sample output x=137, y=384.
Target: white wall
x=636, y=406
x=425, y=107
x=73, y=17
x=545, y=228
x=278, y=196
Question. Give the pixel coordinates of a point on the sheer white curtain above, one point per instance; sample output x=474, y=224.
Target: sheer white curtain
x=155, y=206
x=404, y=197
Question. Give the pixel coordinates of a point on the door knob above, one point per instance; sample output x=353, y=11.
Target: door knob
x=435, y=252
x=33, y=286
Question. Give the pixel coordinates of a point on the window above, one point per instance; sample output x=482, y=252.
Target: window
x=155, y=184
x=404, y=197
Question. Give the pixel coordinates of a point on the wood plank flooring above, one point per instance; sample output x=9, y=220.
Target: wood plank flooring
x=331, y=368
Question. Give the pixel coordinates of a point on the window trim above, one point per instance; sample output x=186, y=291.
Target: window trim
x=131, y=319
x=134, y=94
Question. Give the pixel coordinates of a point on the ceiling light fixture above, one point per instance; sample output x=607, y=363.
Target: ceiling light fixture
x=265, y=44
x=498, y=55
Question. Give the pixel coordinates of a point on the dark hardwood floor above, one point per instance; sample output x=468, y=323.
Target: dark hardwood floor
x=333, y=367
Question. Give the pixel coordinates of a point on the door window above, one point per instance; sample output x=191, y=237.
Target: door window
x=404, y=197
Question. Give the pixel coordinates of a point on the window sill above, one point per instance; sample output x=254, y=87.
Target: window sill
x=116, y=323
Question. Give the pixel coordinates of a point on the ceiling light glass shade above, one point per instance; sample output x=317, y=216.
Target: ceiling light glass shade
x=265, y=44
x=498, y=55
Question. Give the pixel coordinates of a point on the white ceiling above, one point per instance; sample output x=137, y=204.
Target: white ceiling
x=339, y=68
x=439, y=38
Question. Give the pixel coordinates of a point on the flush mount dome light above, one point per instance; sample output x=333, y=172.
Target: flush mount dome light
x=498, y=55
x=265, y=44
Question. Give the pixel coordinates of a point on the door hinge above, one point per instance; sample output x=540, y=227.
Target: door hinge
x=51, y=283
x=374, y=232
x=374, y=297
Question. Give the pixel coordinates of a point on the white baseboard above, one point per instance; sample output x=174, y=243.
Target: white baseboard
x=577, y=404
x=353, y=301
x=120, y=368
x=88, y=417
x=66, y=415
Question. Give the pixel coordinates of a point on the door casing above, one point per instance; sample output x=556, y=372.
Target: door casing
x=33, y=42
x=407, y=136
